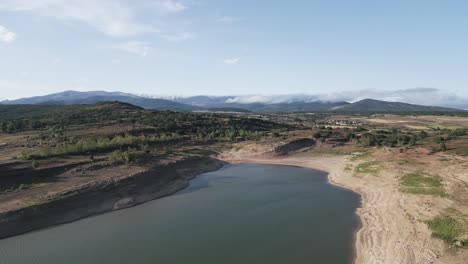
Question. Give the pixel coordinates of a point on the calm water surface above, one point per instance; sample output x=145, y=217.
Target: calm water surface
x=246, y=213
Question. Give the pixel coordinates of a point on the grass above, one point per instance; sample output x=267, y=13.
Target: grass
x=22, y=186
x=439, y=126
x=323, y=152
x=370, y=167
x=450, y=226
x=409, y=162
x=417, y=183
x=361, y=155
x=445, y=228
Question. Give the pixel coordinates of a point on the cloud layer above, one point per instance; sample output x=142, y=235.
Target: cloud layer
x=171, y=6
x=231, y=61
x=421, y=96
x=139, y=48
x=114, y=18
x=6, y=35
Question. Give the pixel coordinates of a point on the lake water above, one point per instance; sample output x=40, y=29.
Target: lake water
x=244, y=213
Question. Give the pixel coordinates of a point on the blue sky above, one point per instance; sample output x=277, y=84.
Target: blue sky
x=185, y=47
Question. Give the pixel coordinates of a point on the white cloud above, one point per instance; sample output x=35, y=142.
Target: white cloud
x=230, y=19
x=112, y=17
x=171, y=6
x=421, y=96
x=139, y=48
x=56, y=61
x=6, y=35
x=178, y=37
x=232, y=61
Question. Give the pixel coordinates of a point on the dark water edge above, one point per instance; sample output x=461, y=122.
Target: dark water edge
x=243, y=213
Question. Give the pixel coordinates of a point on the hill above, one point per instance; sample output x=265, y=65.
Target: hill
x=75, y=98
x=223, y=102
x=371, y=105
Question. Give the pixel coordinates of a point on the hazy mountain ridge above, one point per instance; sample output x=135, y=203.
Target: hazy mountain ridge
x=74, y=97
x=371, y=105
x=223, y=102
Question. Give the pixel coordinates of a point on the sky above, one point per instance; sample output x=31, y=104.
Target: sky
x=414, y=51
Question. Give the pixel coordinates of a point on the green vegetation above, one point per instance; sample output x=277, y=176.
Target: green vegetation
x=127, y=156
x=145, y=128
x=370, y=167
x=439, y=126
x=443, y=147
x=92, y=145
x=409, y=162
x=16, y=118
x=22, y=186
x=450, y=226
x=417, y=183
x=361, y=155
x=445, y=227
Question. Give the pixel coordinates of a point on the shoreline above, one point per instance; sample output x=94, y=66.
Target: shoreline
x=281, y=162
x=106, y=196
x=391, y=229
x=387, y=231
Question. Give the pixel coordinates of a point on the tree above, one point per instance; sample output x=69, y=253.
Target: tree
x=34, y=164
x=443, y=147
x=423, y=134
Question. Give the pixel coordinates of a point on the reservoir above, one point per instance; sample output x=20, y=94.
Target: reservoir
x=243, y=213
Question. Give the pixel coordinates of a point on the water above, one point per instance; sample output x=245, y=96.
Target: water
x=246, y=213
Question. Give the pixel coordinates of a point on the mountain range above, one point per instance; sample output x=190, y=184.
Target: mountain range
x=222, y=103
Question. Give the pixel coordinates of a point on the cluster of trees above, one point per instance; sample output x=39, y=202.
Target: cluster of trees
x=95, y=145
x=389, y=140
x=123, y=114
x=231, y=134
x=368, y=138
x=13, y=126
x=128, y=156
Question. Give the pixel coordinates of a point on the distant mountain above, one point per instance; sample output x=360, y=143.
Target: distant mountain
x=318, y=106
x=228, y=109
x=204, y=101
x=371, y=105
x=74, y=97
x=223, y=103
